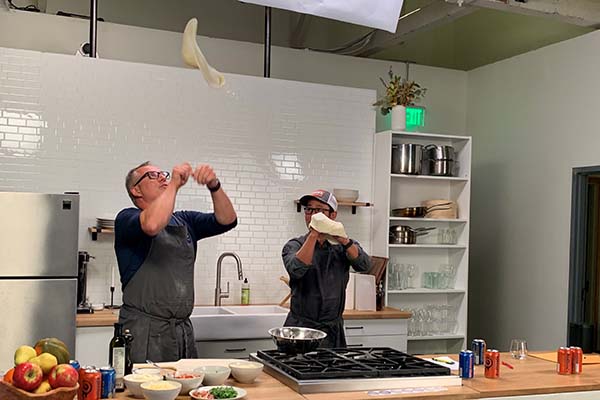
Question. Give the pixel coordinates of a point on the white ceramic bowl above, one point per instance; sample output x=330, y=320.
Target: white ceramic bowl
x=188, y=380
x=161, y=390
x=245, y=371
x=133, y=382
x=346, y=195
x=214, y=375
x=151, y=370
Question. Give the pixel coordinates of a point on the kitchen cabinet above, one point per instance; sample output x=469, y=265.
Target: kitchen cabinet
x=377, y=333
x=427, y=333
x=91, y=345
x=232, y=348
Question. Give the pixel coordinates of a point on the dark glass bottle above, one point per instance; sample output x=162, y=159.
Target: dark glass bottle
x=380, y=297
x=128, y=362
x=116, y=356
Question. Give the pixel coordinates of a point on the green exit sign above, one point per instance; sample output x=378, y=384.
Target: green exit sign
x=415, y=118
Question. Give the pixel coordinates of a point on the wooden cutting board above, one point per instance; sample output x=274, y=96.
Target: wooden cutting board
x=591, y=358
x=378, y=266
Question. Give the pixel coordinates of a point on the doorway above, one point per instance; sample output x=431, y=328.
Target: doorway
x=584, y=273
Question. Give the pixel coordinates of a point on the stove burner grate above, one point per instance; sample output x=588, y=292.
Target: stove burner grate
x=367, y=362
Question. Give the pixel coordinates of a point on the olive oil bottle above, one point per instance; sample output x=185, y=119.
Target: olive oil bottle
x=117, y=355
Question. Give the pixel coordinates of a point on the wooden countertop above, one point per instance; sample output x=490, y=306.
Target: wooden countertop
x=531, y=376
x=386, y=313
x=109, y=317
x=98, y=318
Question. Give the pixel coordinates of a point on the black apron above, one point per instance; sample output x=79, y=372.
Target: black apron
x=327, y=302
x=159, y=299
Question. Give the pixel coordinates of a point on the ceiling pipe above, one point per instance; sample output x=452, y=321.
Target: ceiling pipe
x=267, y=56
x=93, y=27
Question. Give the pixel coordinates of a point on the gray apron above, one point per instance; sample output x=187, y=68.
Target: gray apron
x=159, y=299
x=331, y=322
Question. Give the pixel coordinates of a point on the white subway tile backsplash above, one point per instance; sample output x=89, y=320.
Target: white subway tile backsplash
x=76, y=124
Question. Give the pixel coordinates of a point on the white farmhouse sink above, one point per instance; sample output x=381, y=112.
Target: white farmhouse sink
x=236, y=322
x=257, y=310
x=210, y=311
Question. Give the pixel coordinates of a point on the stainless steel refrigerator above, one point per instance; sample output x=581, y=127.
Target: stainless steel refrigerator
x=38, y=270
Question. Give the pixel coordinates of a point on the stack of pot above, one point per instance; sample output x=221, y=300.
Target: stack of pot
x=406, y=158
x=438, y=160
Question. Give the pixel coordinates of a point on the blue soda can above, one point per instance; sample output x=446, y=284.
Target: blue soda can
x=109, y=381
x=466, y=368
x=478, y=348
x=75, y=364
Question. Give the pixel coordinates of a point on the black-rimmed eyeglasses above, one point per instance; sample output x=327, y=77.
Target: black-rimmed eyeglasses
x=312, y=210
x=153, y=175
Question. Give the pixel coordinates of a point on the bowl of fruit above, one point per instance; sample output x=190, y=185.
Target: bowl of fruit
x=41, y=372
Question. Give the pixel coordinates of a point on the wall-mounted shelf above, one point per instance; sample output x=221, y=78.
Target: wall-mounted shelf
x=413, y=219
x=94, y=230
x=340, y=204
x=427, y=291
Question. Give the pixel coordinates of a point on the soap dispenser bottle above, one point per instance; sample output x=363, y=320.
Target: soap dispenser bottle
x=245, y=292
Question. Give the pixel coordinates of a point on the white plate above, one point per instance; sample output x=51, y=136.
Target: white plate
x=241, y=393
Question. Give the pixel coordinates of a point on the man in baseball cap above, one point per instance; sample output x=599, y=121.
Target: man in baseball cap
x=319, y=272
x=323, y=196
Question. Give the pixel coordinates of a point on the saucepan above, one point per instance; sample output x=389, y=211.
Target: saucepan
x=296, y=340
x=418, y=212
x=404, y=234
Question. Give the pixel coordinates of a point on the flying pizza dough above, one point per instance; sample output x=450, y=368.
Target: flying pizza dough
x=320, y=223
x=192, y=56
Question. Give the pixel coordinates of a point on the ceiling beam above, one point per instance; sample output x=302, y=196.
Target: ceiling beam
x=435, y=14
x=577, y=12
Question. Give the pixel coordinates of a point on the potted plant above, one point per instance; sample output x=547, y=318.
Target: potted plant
x=399, y=93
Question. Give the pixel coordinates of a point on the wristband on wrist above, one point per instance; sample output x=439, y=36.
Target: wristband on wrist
x=348, y=245
x=215, y=188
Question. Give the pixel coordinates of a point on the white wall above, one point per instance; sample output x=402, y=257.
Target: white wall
x=533, y=118
x=73, y=123
x=90, y=110
x=445, y=101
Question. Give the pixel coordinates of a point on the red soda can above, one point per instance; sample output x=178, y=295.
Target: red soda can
x=563, y=366
x=492, y=364
x=576, y=360
x=90, y=384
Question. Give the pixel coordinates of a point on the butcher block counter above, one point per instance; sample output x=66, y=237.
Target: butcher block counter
x=109, y=317
x=531, y=376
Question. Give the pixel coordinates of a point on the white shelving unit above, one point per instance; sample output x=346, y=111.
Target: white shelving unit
x=395, y=191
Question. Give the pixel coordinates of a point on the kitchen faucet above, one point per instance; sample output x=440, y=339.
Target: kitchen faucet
x=218, y=293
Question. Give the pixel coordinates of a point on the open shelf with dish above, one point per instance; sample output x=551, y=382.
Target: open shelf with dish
x=429, y=274
x=94, y=231
x=352, y=204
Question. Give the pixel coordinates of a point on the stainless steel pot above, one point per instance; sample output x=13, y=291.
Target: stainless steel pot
x=406, y=158
x=439, y=167
x=296, y=340
x=403, y=234
x=435, y=152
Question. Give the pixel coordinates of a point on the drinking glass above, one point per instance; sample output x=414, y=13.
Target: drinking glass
x=518, y=349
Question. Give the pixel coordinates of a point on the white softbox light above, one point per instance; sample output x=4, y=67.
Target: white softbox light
x=381, y=14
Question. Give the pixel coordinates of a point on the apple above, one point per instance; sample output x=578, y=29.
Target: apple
x=63, y=375
x=28, y=376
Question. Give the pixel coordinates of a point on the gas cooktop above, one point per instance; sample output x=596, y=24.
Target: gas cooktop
x=364, y=368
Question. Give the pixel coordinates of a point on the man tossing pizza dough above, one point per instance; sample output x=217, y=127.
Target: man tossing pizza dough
x=319, y=267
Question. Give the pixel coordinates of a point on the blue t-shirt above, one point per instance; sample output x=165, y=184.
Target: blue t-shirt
x=132, y=244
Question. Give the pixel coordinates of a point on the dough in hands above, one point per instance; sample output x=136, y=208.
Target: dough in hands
x=192, y=56
x=322, y=224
